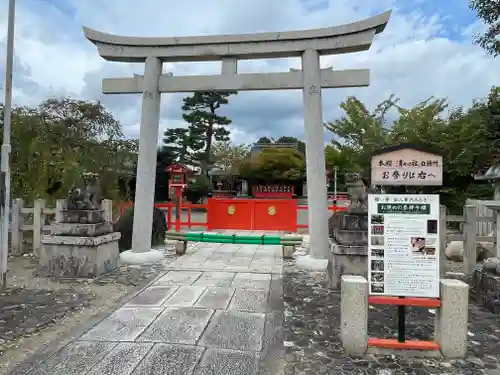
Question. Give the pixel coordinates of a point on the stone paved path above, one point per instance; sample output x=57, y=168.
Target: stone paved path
x=218, y=310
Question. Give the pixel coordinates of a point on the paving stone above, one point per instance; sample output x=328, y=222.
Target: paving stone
x=235, y=330
x=249, y=300
x=236, y=269
x=152, y=296
x=252, y=281
x=75, y=359
x=221, y=279
x=124, y=324
x=239, y=261
x=186, y=296
x=166, y=359
x=275, y=300
x=178, y=326
x=215, y=298
x=179, y=278
x=122, y=359
x=227, y=362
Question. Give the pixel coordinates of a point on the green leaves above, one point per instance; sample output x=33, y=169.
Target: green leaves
x=54, y=143
x=275, y=165
x=205, y=124
x=488, y=11
x=227, y=156
x=468, y=139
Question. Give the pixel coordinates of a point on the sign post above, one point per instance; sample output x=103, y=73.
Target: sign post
x=403, y=238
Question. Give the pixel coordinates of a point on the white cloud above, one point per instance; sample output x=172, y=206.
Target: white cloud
x=414, y=58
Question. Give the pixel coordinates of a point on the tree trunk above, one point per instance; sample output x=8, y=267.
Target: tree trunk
x=210, y=133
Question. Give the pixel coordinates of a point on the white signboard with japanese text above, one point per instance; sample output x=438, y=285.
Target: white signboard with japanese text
x=403, y=245
x=407, y=166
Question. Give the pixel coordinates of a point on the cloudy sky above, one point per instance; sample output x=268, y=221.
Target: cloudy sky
x=425, y=51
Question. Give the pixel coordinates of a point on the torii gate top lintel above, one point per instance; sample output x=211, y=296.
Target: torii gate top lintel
x=352, y=37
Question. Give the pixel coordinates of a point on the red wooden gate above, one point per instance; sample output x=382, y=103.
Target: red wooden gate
x=252, y=214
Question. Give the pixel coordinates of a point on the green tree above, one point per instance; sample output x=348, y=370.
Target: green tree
x=183, y=144
x=488, y=11
x=467, y=139
x=54, y=143
x=226, y=155
x=265, y=140
x=275, y=165
x=201, y=112
x=301, y=146
x=360, y=132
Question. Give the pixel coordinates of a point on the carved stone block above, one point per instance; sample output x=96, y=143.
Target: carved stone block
x=81, y=230
x=346, y=260
x=82, y=216
x=78, y=257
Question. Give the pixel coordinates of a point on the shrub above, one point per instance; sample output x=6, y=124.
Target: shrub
x=125, y=224
x=197, y=190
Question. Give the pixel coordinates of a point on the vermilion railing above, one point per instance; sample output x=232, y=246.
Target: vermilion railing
x=334, y=208
x=168, y=207
x=171, y=222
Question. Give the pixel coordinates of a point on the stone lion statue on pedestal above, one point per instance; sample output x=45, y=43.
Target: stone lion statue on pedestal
x=87, y=197
x=358, y=192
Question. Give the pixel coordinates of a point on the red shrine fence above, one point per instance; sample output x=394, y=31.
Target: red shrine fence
x=239, y=214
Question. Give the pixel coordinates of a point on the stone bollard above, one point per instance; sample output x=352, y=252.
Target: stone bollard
x=288, y=251
x=354, y=314
x=451, y=318
x=180, y=247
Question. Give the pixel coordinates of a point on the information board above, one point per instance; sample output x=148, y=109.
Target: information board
x=403, y=245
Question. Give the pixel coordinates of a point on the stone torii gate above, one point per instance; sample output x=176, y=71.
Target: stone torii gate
x=308, y=44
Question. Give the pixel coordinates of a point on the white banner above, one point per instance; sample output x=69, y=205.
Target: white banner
x=403, y=245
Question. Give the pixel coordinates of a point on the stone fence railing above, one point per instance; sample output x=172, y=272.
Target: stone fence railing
x=36, y=220
x=470, y=221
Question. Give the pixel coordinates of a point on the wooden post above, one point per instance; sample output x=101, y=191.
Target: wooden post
x=60, y=205
x=469, y=244
x=442, y=240
x=38, y=222
x=16, y=224
x=107, y=207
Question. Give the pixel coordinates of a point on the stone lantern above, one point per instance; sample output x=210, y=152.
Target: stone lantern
x=492, y=175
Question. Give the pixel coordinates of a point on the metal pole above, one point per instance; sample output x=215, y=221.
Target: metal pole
x=335, y=183
x=5, y=152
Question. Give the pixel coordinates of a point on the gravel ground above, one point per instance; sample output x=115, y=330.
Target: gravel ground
x=312, y=334
x=36, y=311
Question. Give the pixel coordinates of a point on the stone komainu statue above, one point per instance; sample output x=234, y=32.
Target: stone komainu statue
x=87, y=197
x=358, y=194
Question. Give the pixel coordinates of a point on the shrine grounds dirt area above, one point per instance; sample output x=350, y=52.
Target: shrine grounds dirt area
x=36, y=311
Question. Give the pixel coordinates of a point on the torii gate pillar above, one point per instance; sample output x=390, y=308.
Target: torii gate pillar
x=317, y=194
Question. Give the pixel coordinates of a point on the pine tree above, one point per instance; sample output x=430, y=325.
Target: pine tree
x=184, y=144
x=200, y=111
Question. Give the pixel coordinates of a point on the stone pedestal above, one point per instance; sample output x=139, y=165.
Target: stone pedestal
x=451, y=319
x=349, y=247
x=81, y=244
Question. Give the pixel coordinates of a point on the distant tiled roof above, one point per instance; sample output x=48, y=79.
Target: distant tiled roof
x=258, y=147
